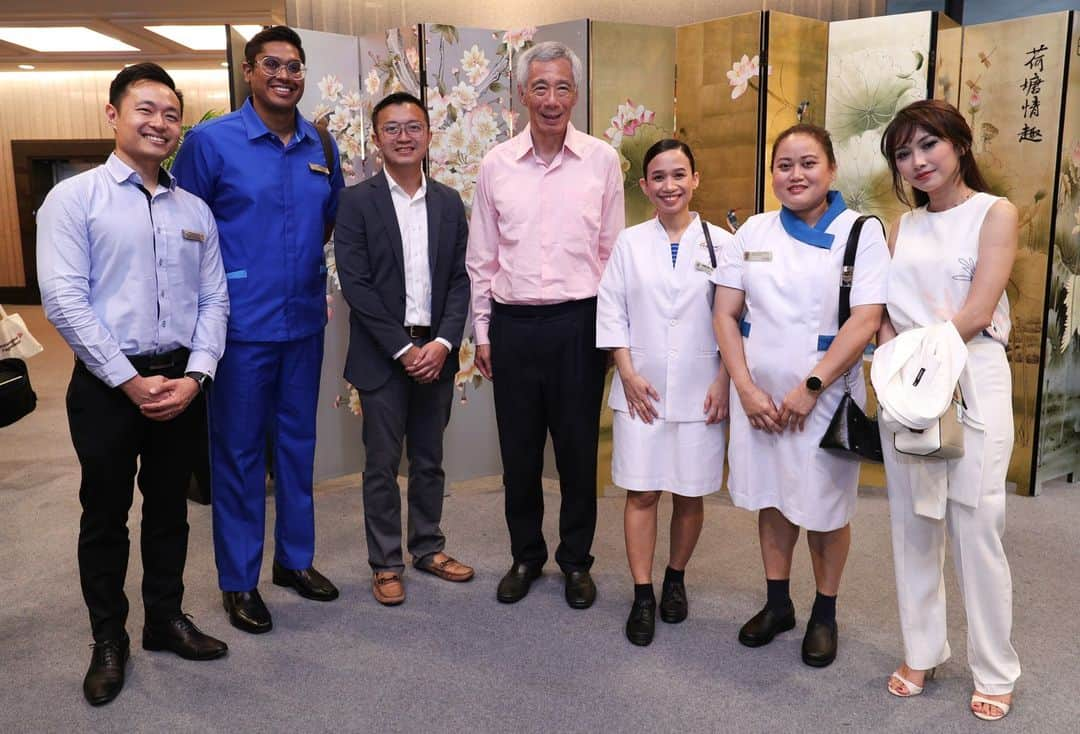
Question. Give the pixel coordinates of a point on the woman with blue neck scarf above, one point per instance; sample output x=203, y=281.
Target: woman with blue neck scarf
x=775, y=315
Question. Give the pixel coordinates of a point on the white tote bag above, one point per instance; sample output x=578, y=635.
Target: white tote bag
x=15, y=338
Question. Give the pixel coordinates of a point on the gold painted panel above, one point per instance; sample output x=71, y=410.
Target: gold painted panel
x=716, y=111
x=947, y=51
x=1012, y=75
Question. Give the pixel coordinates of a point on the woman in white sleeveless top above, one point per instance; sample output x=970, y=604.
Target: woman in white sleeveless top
x=952, y=257
x=670, y=391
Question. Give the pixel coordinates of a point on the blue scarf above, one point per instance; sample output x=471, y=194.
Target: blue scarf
x=815, y=235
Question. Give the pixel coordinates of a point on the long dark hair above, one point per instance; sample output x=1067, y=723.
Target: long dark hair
x=941, y=120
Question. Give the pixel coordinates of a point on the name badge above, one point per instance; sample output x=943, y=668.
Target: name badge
x=317, y=168
x=707, y=269
x=758, y=256
x=187, y=234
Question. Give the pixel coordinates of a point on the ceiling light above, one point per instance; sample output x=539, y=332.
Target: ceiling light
x=26, y=67
x=247, y=31
x=62, y=39
x=225, y=64
x=195, y=37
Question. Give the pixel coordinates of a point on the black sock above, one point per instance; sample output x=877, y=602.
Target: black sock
x=644, y=592
x=779, y=593
x=824, y=609
x=671, y=576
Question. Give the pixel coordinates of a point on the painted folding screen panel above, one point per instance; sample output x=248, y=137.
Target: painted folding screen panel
x=717, y=111
x=1012, y=75
x=1059, y=415
x=631, y=97
x=575, y=35
x=794, y=80
x=945, y=59
x=389, y=62
x=877, y=66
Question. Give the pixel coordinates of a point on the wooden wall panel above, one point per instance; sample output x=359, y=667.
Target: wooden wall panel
x=66, y=106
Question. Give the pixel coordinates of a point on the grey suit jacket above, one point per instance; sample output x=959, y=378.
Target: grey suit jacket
x=370, y=265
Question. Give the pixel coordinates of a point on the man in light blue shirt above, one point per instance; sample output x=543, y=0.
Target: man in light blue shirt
x=131, y=276
x=272, y=184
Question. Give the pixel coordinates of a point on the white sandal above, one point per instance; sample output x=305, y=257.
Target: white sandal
x=1001, y=705
x=912, y=689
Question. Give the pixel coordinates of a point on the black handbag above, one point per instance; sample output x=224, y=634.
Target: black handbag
x=17, y=398
x=850, y=431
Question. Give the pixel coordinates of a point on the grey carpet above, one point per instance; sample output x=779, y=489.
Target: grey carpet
x=453, y=659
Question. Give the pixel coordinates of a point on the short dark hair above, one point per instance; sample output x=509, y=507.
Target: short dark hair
x=816, y=132
x=663, y=146
x=398, y=98
x=941, y=120
x=144, y=72
x=268, y=35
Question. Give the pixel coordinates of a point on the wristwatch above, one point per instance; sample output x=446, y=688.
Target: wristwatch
x=814, y=384
x=202, y=379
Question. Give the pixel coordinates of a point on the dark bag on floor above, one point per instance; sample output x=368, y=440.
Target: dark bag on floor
x=16, y=396
x=851, y=432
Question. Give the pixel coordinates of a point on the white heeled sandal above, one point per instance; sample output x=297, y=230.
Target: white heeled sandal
x=1000, y=705
x=912, y=689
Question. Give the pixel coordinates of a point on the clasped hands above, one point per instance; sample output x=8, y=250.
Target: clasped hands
x=640, y=396
x=424, y=364
x=160, y=398
x=763, y=414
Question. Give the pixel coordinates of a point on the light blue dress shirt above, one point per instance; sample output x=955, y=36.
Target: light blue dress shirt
x=272, y=202
x=122, y=274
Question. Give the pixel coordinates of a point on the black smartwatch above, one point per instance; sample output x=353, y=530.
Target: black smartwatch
x=202, y=379
x=814, y=384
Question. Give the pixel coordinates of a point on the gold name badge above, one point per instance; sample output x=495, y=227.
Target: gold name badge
x=703, y=267
x=758, y=256
x=317, y=168
x=187, y=234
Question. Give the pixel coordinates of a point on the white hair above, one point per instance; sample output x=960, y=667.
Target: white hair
x=548, y=51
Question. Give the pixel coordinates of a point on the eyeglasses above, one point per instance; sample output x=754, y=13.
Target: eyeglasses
x=412, y=129
x=271, y=66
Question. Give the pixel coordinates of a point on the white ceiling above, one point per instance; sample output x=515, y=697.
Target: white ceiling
x=125, y=20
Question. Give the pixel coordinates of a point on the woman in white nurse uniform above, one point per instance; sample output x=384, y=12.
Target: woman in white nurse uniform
x=670, y=393
x=952, y=257
x=775, y=317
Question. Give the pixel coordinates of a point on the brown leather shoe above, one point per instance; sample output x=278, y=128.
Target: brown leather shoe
x=447, y=568
x=387, y=588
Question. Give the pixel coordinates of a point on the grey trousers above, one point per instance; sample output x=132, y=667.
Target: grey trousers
x=404, y=411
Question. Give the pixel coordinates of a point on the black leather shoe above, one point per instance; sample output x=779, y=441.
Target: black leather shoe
x=673, y=604
x=767, y=624
x=105, y=677
x=819, y=644
x=515, y=584
x=180, y=635
x=308, y=583
x=580, y=590
x=247, y=611
x=642, y=622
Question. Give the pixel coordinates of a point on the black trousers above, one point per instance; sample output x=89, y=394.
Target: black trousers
x=115, y=444
x=403, y=411
x=548, y=376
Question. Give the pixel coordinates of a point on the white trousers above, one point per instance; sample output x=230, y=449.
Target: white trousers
x=981, y=567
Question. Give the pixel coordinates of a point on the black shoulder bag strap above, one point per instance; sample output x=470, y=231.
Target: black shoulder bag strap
x=328, y=154
x=708, y=241
x=847, y=274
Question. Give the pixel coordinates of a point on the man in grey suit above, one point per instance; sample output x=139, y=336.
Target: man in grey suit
x=400, y=247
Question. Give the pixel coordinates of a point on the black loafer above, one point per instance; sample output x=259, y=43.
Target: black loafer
x=247, y=611
x=105, y=677
x=580, y=590
x=181, y=636
x=819, y=644
x=307, y=582
x=641, y=624
x=673, y=604
x=515, y=584
x=767, y=624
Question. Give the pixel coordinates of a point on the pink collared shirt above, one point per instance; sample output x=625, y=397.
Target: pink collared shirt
x=541, y=233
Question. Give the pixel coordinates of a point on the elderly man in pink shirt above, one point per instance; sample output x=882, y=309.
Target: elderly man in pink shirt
x=548, y=207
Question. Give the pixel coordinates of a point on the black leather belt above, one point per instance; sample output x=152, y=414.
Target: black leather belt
x=164, y=361
x=419, y=332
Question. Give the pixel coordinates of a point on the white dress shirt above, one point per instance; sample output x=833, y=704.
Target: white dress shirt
x=411, y=213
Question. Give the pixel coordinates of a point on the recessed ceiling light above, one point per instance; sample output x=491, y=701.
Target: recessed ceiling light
x=26, y=67
x=62, y=39
x=247, y=31
x=195, y=37
x=225, y=64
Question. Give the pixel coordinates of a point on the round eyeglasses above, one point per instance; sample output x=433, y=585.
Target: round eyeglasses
x=271, y=65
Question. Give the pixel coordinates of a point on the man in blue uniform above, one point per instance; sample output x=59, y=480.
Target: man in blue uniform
x=265, y=174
